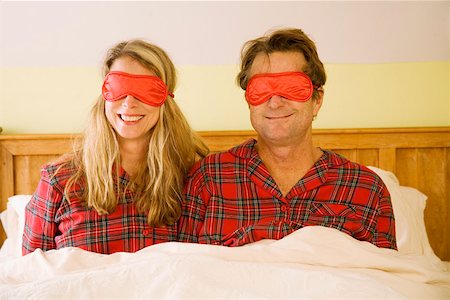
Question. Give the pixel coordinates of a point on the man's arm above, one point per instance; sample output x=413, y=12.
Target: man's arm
x=385, y=227
x=193, y=208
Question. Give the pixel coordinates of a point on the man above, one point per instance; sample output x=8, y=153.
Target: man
x=280, y=182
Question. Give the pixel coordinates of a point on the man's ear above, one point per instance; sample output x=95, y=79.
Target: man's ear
x=318, y=100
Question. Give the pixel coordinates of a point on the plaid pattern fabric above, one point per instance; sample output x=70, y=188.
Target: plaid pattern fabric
x=51, y=222
x=232, y=200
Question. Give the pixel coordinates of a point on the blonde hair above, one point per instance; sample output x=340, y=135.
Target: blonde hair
x=173, y=149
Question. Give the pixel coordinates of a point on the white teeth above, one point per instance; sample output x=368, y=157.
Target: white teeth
x=131, y=118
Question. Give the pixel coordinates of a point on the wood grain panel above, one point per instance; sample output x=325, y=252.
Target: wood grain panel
x=387, y=159
x=348, y=153
x=447, y=204
x=224, y=140
x=6, y=176
x=406, y=164
x=367, y=157
x=27, y=175
x=431, y=177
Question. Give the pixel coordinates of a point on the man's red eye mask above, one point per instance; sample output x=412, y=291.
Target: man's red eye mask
x=296, y=86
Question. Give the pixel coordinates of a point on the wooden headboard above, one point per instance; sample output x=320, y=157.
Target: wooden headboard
x=420, y=157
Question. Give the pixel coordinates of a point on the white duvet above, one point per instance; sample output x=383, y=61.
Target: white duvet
x=311, y=263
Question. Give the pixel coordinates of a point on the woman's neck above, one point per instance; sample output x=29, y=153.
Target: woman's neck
x=132, y=154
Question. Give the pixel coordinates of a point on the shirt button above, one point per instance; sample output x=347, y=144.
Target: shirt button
x=145, y=232
x=283, y=208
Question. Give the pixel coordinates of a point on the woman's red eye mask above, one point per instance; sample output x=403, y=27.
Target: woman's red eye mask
x=296, y=86
x=147, y=89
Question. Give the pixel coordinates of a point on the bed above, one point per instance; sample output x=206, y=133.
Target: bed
x=313, y=262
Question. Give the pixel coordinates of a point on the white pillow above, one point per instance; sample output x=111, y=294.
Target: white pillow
x=13, y=221
x=408, y=204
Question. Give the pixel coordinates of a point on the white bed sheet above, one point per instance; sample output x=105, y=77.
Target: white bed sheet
x=311, y=263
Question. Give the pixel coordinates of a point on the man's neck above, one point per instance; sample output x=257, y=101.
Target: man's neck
x=287, y=164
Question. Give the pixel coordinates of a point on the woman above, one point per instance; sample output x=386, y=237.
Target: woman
x=120, y=190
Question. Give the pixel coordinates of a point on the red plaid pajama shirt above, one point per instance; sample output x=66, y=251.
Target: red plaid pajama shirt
x=231, y=199
x=51, y=222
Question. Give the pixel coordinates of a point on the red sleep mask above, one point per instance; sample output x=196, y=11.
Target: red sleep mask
x=296, y=86
x=147, y=89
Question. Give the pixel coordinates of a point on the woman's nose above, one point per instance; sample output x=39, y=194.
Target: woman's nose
x=129, y=101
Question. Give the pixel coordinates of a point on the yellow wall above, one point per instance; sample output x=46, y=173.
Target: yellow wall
x=57, y=100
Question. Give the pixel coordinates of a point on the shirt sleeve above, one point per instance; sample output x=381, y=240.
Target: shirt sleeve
x=193, y=208
x=40, y=225
x=385, y=227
